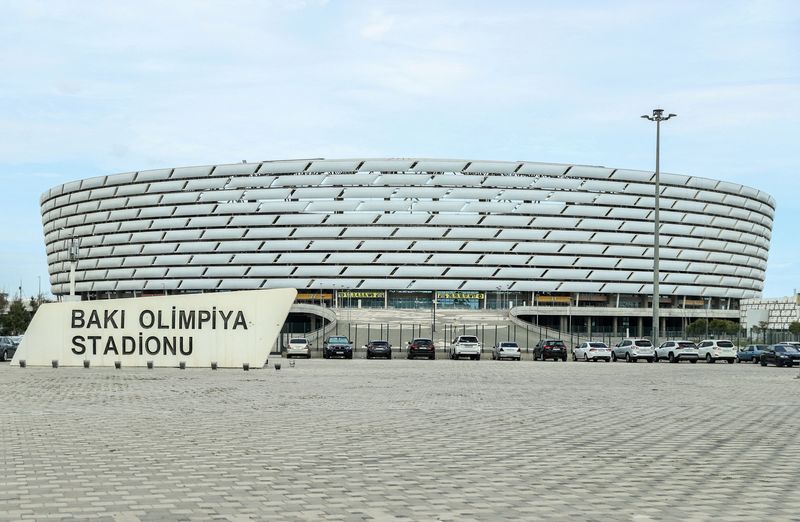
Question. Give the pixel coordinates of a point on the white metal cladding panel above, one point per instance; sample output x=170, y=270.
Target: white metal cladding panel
x=368, y=232
x=541, y=209
x=583, y=249
x=555, y=223
x=596, y=262
x=223, y=233
x=399, y=258
x=422, y=232
x=585, y=211
x=367, y=192
x=489, y=207
x=121, y=215
x=397, y=205
x=492, y=167
x=550, y=183
x=252, y=220
x=79, y=197
x=211, y=259
x=282, y=207
x=257, y=184
x=120, y=273
x=366, y=271
x=442, y=284
x=417, y=192
x=610, y=275
x=438, y=206
x=225, y=271
x=204, y=184
x=351, y=258
x=678, y=230
x=569, y=235
x=167, y=223
x=299, y=180
x=287, y=283
x=679, y=278
x=621, y=288
x=135, y=225
x=691, y=206
x=508, y=181
x=259, y=258
x=332, y=206
x=146, y=237
x=333, y=166
x=584, y=286
x=419, y=271
x=438, y=246
x=471, y=233
x=199, y=246
x=159, y=248
x=455, y=219
x=454, y=259
x=538, y=248
x=387, y=165
x=200, y=284
x=152, y=212
x=403, y=218
x=600, y=224
x=334, y=245
x=471, y=193
x=517, y=273
x=323, y=232
x=543, y=169
x=564, y=274
x=209, y=221
x=625, y=251
x=129, y=286
x=281, y=167
x=683, y=242
x=239, y=284
x=286, y=244
x=300, y=219
x=165, y=186
x=549, y=261
x=179, y=198
x=107, y=204
x=629, y=213
x=317, y=192
x=522, y=234
x=280, y=232
x=403, y=180
x=436, y=165
x=471, y=272
x=239, y=246
x=303, y=258
x=614, y=200
x=488, y=246
x=150, y=273
x=132, y=190
x=191, y=172
x=504, y=259
x=172, y=260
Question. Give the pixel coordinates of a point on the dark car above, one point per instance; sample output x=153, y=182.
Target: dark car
x=379, y=349
x=750, y=353
x=780, y=355
x=337, y=346
x=7, y=348
x=421, y=348
x=550, y=349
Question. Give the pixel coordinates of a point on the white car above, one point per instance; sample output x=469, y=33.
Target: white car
x=298, y=347
x=506, y=350
x=713, y=350
x=633, y=349
x=465, y=346
x=677, y=351
x=591, y=351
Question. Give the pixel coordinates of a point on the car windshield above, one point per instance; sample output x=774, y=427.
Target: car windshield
x=598, y=345
x=790, y=348
x=725, y=344
x=554, y=343
x=340, y=339
x=686, y=344
x=468, y=339
x=508, y=345
x=643, y=343
x=297, y=341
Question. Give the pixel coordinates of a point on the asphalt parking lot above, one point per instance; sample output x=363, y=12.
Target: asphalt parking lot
x=419, y=440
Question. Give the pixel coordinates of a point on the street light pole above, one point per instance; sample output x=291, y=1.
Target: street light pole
x=658, y=117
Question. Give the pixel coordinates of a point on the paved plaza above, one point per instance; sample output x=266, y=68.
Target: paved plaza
x=414, y=440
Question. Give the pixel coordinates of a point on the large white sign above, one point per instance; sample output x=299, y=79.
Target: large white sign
x=230, y=329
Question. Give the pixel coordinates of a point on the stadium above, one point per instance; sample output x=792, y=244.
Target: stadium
x=546, y=240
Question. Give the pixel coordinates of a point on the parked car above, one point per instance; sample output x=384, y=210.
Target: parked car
x=677, y=351
x=713, y=350
x=633, y=349
x=506, y=350
x=751, y=353
x=465, y=346
x=379, y=348
x=591, y=351
x=298, y=347
x=337, y=346
x=421, y=347
x=7, y=348
x=550, y=349
x=781, y=354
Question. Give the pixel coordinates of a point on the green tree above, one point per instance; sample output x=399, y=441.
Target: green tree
x=697, y=328
x=794, y=328
x=16, y=321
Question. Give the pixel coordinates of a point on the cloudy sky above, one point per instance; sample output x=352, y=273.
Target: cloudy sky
x=93, y=88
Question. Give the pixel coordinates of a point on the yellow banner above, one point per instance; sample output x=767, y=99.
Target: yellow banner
x=361, y=295
x=459, y=295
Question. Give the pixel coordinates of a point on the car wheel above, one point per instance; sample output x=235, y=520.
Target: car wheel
x=672, y=358
x=693, y=361
x=3, y=356
x=432, y=357
x=574, y=357
x=779, y=363
x=755, y=360
x=564, y=359
x=613, y=357
x=655, y=358
x=763, y=362
x=585, y=358
x=738, y=360
x=709, y=360
x=789, y=364
x=730, y=361
x=628, y=357
x=650, y=359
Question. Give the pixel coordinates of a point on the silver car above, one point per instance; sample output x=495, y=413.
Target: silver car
x=633, y=349
x=591, y=351
x=506, y=350
x=298, y=347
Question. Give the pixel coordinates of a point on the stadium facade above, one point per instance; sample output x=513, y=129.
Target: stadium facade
x=405, y=233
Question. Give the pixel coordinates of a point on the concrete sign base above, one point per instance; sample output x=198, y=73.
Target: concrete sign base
x=230, y=329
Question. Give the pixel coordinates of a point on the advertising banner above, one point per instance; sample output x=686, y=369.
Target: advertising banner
x=228, y=328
